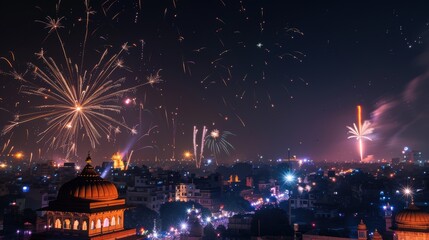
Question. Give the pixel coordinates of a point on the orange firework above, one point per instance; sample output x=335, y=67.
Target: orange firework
x=359, y=109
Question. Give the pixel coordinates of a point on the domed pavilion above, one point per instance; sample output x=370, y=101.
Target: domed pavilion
x=87, y=207
x=411, y=223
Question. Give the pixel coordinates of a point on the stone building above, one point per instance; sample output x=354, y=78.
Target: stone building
x=87, y=207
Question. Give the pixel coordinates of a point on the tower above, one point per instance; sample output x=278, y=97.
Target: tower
x=362, y=231
x=388, y=216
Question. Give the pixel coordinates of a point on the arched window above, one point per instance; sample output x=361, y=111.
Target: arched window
x=67, y=224
x=84, y=226
x=113, y=222
x=119, y=220
x=76, y=225
x=98, y=225
x=106, y=222
x=58, y=223
x=92, y=225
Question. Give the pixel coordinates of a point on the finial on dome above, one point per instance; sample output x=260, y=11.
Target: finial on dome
x=88, y=159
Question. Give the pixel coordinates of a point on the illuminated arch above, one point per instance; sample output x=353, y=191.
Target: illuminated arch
x=67, y=224
x=106, y=222
x=84, y=226
x=113, y=222
x=58, y=223
x=76, y=225
x=92, y=225
x=98, y=225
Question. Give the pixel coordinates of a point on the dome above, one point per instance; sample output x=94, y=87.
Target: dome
x=412, y=218
x=88, y=185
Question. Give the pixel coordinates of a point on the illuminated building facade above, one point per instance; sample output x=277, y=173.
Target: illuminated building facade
x=411, y=224
x=86, y=207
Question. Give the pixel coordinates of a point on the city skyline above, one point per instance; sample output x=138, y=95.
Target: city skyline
x=275, y=75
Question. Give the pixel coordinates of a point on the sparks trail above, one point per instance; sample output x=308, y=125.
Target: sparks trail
x=200, y=156
x=260, y=57
x=154, y=78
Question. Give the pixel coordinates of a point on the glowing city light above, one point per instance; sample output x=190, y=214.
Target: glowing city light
x=187, y=154
x=19, y=155
x=408, y=191
x=289, y=177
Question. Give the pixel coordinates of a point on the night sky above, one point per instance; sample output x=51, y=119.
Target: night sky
x=277, y=74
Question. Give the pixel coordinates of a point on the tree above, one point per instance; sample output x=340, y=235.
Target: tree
x=221, y=230
x=140, y=216
x=236, y=204
x=209, y=232
x=271, y=222
x=29, y=215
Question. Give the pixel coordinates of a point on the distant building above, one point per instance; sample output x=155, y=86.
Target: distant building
x=205, y=191
x=148, y=194
x=240, y=225
x=44, y=169
x=302, y=201
x=186, y=192
x=412, y=156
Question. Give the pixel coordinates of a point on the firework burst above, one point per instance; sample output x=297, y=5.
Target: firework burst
x=360, y=132
x=218, y=144
x=79, y=102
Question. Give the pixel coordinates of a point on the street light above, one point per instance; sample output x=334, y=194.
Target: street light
x=289, y=177
x=187, y=155
x=408, y=192
x=183, y=226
